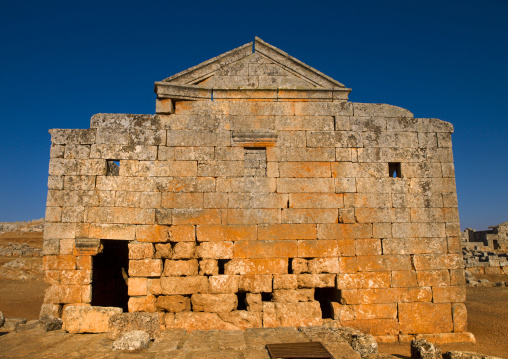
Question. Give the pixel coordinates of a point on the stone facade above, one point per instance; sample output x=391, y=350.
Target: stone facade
x=496, y=238
x=259, y=196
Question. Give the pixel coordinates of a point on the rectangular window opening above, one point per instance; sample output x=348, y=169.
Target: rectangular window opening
x=112, y=167
x=394, y=170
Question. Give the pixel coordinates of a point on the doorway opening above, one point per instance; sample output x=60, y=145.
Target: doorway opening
x=110, y=273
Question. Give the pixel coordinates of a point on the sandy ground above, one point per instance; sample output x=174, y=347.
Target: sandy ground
x=487, y=307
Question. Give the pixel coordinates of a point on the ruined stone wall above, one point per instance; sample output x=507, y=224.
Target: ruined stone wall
x=263, y=213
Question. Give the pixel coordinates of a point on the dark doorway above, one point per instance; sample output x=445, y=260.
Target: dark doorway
x=325, y=296
x=109, y=278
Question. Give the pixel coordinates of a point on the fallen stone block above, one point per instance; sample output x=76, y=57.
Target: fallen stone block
x=363, y=344
x=134, y=340
x=423, y=349
x=84, y=319
x=2, y=319
x=11, y=324
x=466, y=355
x=127, y=322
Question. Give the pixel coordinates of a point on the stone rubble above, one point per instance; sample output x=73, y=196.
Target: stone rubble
x=134, y=340
x=423, y=349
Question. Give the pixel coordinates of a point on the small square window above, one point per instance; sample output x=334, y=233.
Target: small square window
x=113, y=168
x=394, y=170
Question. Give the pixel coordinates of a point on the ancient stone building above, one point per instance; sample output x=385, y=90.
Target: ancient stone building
x=496, y=237
x=259, y=196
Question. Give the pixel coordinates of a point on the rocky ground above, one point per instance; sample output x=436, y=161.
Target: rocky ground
x=21, y=295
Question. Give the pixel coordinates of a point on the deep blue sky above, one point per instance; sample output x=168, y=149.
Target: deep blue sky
x=63, y=61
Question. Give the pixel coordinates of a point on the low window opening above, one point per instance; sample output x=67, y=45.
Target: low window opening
x=266, y=297
x=112, y=167
x=242, y=305
x=221, y=264
x=394, y=170
x=325, y=297
x=290, y=265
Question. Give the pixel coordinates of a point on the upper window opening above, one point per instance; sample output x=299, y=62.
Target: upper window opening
x=113, y=168
x=394, y=170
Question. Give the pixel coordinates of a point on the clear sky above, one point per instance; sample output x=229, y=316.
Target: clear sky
x=63, y=61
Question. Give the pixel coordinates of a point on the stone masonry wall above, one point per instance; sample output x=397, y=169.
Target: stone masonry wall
x=238, y=213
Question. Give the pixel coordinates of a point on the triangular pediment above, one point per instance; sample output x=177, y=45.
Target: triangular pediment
x=249, y=69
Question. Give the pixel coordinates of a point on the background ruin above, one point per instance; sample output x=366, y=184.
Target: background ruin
x=258, y=196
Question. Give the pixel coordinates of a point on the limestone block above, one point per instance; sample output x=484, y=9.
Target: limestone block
x=324, y=265
x=285, y=281
x=375, y=327
x=182, y=200
x=122, y=120
x=137, y=286
x=344, y=230
x=145, y=268
x=246, y=184
x=437, y=261
x=111, y=231
x=198, y=138
x=74, y=136
x=256, y=266
x=208, y=267
x=257, y=200
x=293, y=295
x=384, y=263
x=201, y=321
x=261, y=108
x=298, y=314
x=363, y=280
x=416, y=230
x=76, y=277
x=302, y=185
x=154, y=286
x=252, y=216
x=264, y=249
x=368, y=247
x=56, y=151
x=300, y=265
x=345, y=139
x=162, y=250
x=59, y=262
x=255, y=283
x=124, y=152
x=449, y=294
x=223, y=284
x=321, y=248
x=196, y=216
x=316, y=280
x=383, y=110
x=425, y=318
x=164, y=106
x=215, y=200
x=254, y=302
x=51, y=247
x=415, y=246
x=304, y=215
x=184, y=285
x=216, y=250
x=243, y=319
x=142, y=304
x=167, y=168
x=404, y=279
x=316, y=200
x=173, y=303
x=214, y=303
x=119, y=324
x=141, y=250
x=459, y=314
x=287, y=231
x=184, y=250
x=84, y=319
x=226, y=232
x=433, y=278
x=59, y=230
x=181, y=267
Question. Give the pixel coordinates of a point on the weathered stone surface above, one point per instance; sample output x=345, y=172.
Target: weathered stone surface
x=2, y=319
x=173, y=303
x=423, y=349
x=214, y=303
x=454, y=354
x=120, y=324
x=134, y=340
x=85, y=319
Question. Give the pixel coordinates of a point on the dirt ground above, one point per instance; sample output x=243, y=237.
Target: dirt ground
x=487, y=307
